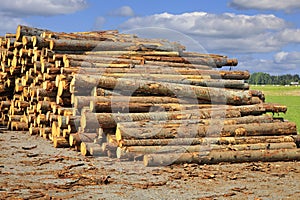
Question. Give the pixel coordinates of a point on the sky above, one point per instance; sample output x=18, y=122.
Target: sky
x=264, y=35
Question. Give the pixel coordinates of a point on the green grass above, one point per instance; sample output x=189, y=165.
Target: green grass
x=289, y=96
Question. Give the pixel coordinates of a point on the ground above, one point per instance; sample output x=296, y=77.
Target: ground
x=30, y=168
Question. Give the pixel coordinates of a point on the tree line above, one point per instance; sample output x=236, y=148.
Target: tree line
x=260, y=78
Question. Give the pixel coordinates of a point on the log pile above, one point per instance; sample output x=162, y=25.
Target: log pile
x=109, y=94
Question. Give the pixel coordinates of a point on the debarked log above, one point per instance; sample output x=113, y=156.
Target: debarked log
x=213, y=157
x=132, y=152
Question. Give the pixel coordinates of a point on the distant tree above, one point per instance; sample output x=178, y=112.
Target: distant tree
x=260, y=78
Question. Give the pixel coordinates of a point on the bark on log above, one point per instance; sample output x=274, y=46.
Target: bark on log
x=91, y=45
x=96, y=149
x=214, y=157
x=162, y=88
x=60, y=142
x=209, y=61
x=215, y=122
x=184, y=79
x=199, y=130
x=147, y=69
x=132, y=152
x=109, y=120
x=28, y=31
x=207, y=141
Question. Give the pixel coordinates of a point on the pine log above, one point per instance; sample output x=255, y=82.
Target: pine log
x=28, y=31
x=89, y=64
x=19, y=126
x=33, y=130
x=60, y=142
x=109, y=120
x=91, y=45
x=215, y=122
x=214, y=157
x=207, y=141
x=209, y=61
x=97, y=59
x=162, y=88
x=96, y=149
x=84, y=149
x=200, y=130
x=184, y=79
x=132, y=152
x=129, y=107
x=148, y=69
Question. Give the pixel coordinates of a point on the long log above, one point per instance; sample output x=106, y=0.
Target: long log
x=184, y=79
x=215, y=122
x=28, y=31
x=189, y=130
x=148, y=69
x=162, y=88
x=91, y=45
x=206, y=141
x=209, y=61
x=213, y=157
x=131, y=152
x=110, y=120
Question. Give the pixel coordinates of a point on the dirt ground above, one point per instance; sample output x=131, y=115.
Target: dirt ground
x=30, y=168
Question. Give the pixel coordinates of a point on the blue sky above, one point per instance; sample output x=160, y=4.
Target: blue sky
x=263, y=34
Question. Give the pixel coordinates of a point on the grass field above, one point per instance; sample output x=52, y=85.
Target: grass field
x=285, y=95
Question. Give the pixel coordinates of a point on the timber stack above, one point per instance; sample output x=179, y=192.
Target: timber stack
x=109, y=94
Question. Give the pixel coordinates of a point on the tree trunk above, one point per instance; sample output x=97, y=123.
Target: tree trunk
x=214, y=157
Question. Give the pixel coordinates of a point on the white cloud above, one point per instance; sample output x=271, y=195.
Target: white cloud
x=124, y=11
x=282, y=63
x=287, y=58
x=286, y=5
x=9, y=24
x=227, y=32
x=289, y=35
x=24, y=8
x=99, y=22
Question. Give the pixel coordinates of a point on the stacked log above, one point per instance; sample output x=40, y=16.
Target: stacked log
x=109, y=94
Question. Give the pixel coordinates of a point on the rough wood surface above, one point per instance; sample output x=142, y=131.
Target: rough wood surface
x=213, y=157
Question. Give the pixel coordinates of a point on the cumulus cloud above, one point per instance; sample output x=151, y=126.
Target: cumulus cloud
x=227, y=32
x=24, y=8
x=9, y=24
x=287, y=58
x=124, y=11
x=286, y=5
x=289, y=35
x=99, y=22
x=269, y=66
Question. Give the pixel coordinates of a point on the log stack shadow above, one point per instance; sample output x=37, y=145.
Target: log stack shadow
x=104, y=93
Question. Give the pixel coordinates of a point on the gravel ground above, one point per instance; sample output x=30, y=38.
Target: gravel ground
x=30, y=168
